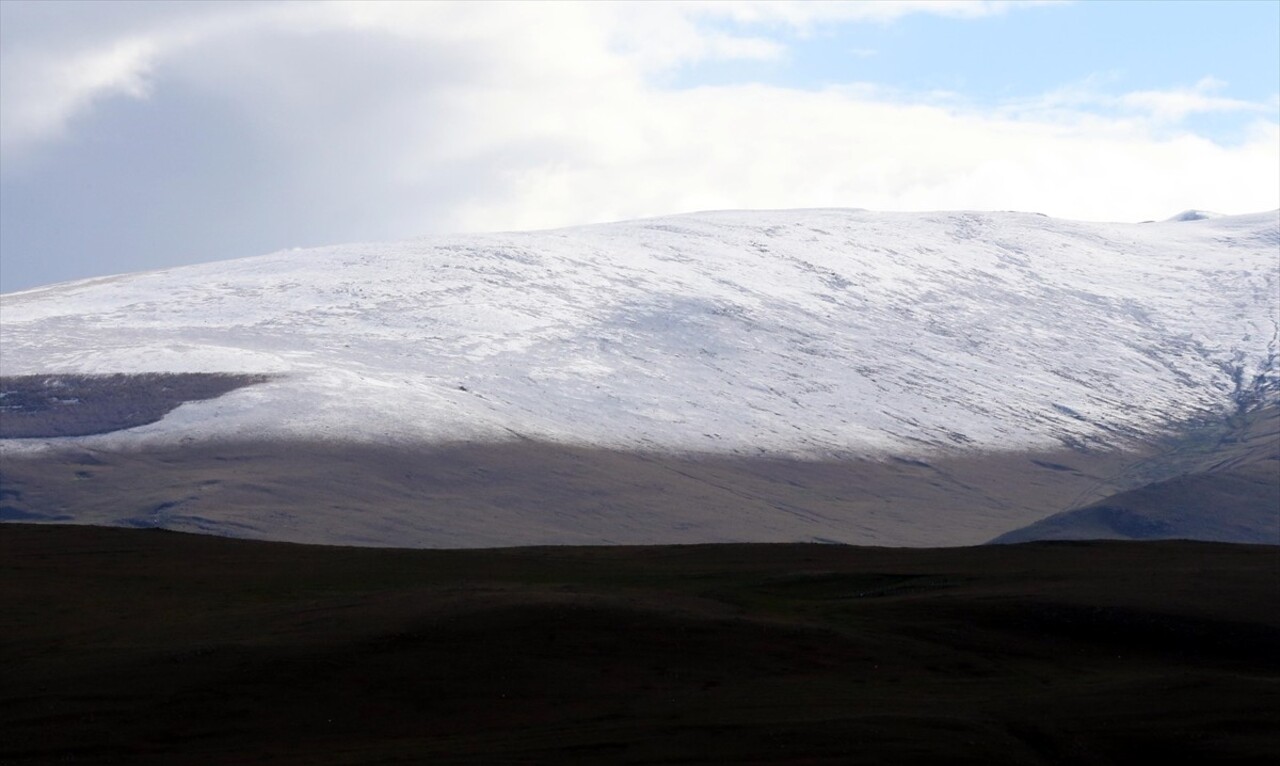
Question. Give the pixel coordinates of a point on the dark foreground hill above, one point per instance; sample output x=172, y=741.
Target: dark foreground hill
x=149, y=647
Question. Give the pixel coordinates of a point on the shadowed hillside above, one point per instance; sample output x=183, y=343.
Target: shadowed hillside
x=1230, y=492
x=54, y=405
x=522, y=492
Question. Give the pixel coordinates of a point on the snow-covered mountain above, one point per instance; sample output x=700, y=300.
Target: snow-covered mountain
x=813, y=334
x=810, y=332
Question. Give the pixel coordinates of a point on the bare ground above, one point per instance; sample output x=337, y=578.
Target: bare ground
x=529, y=493
x=54, y=405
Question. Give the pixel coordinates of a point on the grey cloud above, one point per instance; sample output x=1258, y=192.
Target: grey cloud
x=263, y=126
x=252, y=144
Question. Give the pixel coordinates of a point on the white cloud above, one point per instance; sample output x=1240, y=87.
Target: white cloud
x=528, y=115
x=58, y=74
x=47, y=84
x=804, y=16
x=1090, y=99
x=42, y=93
x=1176, y=104
x=655, y=152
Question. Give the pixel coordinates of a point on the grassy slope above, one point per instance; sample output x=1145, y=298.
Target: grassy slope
x=151, y=647
x=1228, y=490
x=1216, y=481
x=537, y=493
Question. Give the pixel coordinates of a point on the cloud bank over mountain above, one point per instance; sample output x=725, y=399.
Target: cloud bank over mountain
x=137, y=136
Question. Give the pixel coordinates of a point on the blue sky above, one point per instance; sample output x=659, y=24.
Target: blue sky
x=1109, y=47
x=144, y=135
x=1124, y=46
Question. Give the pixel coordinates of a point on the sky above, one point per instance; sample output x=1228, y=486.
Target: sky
x=144, y=135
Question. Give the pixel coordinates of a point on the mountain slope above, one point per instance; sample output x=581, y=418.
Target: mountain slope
x=542, y=493
x=826, y=335
x=1233, y=494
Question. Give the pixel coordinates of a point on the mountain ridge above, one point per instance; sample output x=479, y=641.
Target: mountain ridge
x=834, y=336
x=788, y=327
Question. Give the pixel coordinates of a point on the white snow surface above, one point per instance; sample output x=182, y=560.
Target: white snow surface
x=811, y=332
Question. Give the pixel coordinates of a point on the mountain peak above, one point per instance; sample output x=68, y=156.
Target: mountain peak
x=1193, y=215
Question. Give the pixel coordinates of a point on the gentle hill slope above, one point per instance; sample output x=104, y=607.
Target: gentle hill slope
x=1059, y=353
x=1231, y=493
